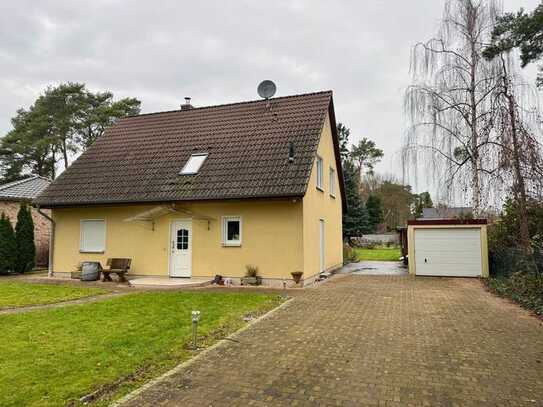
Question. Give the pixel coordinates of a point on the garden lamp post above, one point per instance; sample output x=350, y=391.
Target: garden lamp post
x=195, y=320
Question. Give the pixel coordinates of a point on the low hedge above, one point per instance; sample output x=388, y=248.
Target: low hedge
x=525, y=288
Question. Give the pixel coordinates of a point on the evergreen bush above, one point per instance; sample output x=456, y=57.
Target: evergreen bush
x=24, y=237
x=8, y=246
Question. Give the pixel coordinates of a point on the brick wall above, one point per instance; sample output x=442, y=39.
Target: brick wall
x=42, y=229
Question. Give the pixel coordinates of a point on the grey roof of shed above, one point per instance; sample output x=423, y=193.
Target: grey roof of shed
x=445, y=213
x=139, y=158
x=25, y=189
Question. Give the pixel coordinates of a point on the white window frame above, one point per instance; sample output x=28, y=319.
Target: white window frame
x=320, y=173
x=332, y=173
x=197, y=169
x=91, y=250
x=225, y=241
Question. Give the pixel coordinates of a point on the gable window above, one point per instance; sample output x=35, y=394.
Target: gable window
x=93, y=236
x=194, y=163
x=319, y=174
x=332, y=182
x=231, y=231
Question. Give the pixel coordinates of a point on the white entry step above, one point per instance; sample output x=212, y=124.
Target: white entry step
x=170, y=282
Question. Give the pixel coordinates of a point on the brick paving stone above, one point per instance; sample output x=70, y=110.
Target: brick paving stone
x=372, y=340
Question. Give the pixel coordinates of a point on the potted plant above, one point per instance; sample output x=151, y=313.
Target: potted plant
x=297, y=276
x=251, y=276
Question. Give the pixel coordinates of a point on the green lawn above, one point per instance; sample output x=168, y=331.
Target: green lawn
x=378, y=253
x=19, y=294
x=53, y=357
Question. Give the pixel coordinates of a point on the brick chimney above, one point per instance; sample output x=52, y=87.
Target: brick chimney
x=187, y=105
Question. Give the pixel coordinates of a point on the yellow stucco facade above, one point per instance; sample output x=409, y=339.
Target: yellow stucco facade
x=278, y=236
x=319, y=204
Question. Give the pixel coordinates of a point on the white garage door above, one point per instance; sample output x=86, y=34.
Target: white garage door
x=448, y=252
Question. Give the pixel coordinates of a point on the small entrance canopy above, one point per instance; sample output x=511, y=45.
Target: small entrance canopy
x=151, y=215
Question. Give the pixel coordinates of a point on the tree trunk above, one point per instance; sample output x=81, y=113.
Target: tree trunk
x=475, y=184
x=65, y=153
x=519, y=186
x=53, y=172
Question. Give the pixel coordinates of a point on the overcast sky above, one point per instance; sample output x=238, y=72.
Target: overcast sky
x=218, y=52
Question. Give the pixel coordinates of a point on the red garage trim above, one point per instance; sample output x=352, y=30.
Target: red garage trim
x=448, y=222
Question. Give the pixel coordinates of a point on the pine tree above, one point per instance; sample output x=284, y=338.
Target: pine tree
x=374, y=207
x=8, y=246
x=355, y=218
x=522, y=30
x=24, y=236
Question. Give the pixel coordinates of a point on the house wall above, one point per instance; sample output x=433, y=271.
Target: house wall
x=318, y=205
x=42, y=228
x=411, y=244
x=271, y=238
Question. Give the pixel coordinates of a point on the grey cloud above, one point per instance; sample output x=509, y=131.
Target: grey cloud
x=217, y=52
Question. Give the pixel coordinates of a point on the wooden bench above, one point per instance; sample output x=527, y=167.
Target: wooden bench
x=116, y=266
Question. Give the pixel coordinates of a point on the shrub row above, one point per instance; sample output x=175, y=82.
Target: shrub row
x=523, y=288
x=17, y=248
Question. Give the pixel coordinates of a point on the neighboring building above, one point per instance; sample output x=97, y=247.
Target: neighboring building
x=12, y=195
x=206, y=191
x=447, y=213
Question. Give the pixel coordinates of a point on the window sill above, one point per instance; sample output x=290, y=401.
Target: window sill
x=231, y=245
x=332, y=196
x=320, y=189
x=92, y=251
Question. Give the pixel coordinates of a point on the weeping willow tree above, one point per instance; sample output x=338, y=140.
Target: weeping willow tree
x=449, y=105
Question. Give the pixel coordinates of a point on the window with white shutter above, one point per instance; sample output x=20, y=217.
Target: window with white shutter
x=93, y=236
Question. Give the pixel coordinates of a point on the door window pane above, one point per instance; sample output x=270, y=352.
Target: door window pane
x=182, y=239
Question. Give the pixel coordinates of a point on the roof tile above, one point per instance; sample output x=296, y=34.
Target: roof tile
x=25, y=189
x=139, y=158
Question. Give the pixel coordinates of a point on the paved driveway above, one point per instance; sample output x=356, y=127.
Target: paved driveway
x=376, y=268
x=373, y=340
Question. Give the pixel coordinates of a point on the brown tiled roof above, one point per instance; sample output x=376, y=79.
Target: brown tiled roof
x=139, y=158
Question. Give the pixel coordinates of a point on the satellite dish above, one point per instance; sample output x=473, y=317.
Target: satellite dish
x=266, y=89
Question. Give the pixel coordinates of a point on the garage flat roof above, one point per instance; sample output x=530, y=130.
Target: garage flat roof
x=447, y=222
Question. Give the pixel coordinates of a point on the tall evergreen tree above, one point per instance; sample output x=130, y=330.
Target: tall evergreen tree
x=366, y=155
x=8, y=246
x=24, y=237
x=374, y=207
x=355, y=218
x=343, y=134
x=64, y=121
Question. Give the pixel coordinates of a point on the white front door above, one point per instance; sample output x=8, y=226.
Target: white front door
x=321, y=227
x=181, y=248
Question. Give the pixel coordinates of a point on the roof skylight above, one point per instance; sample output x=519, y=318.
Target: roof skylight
x=193, y=164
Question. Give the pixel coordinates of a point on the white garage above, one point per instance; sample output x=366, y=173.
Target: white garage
x=448, y=248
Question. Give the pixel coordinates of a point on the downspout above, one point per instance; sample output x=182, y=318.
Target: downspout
x=51, y=240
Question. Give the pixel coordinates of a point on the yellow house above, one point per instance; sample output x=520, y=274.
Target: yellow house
x=199, y=192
